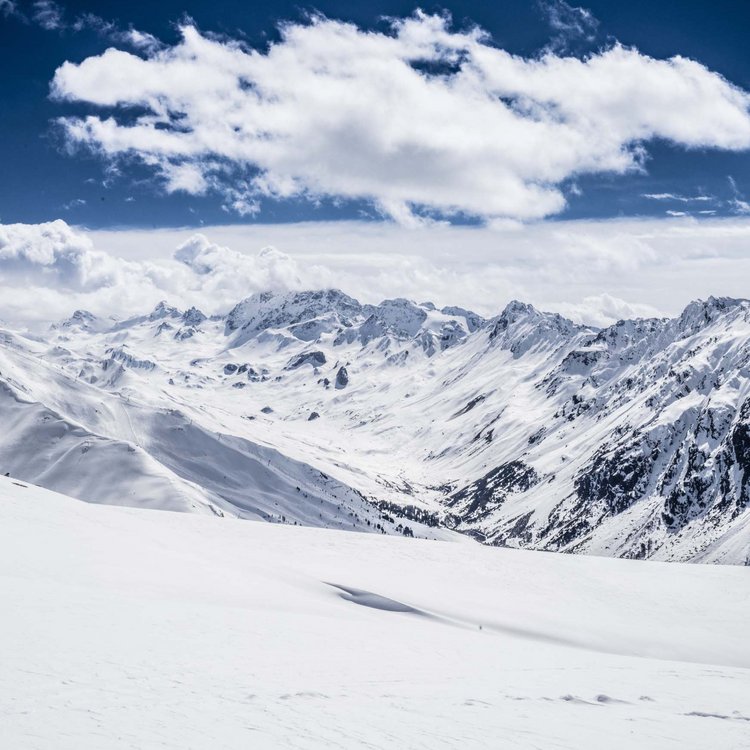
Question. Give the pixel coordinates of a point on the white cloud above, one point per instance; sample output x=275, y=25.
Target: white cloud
x=231, y=274
x=8, y=8
x=185, y=177
x=75, y=203
x=594, y=272
x=48, y=270
x=679, y=198
x=55, y=252
x=51, y=16
x=109, y=30
x=603, y=310
x=571, y=24
x=660, y=264
x=141, y=40
x=737, y=203
x=48, y=14
x=421, y=119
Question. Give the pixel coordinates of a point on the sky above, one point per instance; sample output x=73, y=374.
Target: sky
x=590, y=159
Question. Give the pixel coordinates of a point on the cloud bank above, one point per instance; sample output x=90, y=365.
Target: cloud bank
x=593, y=272
x=421, y=121
x=48, y=270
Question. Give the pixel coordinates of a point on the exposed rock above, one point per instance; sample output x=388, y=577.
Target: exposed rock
x=193, y=317
x=342, y=378
x=316, y=359
x=481, y=497
x=471, y=404
x=120, y=355
x=184, y=333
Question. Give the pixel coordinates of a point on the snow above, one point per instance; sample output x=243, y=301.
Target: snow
x=124, y=628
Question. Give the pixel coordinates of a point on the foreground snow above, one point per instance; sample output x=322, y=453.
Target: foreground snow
x=125, y=628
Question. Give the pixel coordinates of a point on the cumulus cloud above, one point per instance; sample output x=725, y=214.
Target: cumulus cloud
x=228, y=269
x=47, y=270
x=420, y=120
x=54, y=255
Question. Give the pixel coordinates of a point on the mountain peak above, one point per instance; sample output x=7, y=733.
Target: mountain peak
x=193, y=317
x=82, y=319
x=521, y=326
x=164, y=310
x=279, y=309
x=702, y=312
x=516, y=309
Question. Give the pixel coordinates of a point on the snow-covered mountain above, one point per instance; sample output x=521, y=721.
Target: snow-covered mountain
x=522, y=430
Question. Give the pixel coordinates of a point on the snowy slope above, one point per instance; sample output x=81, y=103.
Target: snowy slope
x=123, y=628
x=308, y=407
x=69, y=435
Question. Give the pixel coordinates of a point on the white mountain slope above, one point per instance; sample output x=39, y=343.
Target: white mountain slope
x=72, y=436
x=522, y=430
x=128, y=629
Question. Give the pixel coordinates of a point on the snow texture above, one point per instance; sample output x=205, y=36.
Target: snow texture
x=123, y=628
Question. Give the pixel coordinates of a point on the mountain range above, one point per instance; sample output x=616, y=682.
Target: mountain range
x=521, y=430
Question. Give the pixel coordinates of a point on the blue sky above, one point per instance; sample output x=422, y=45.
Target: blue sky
x=43, y=178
